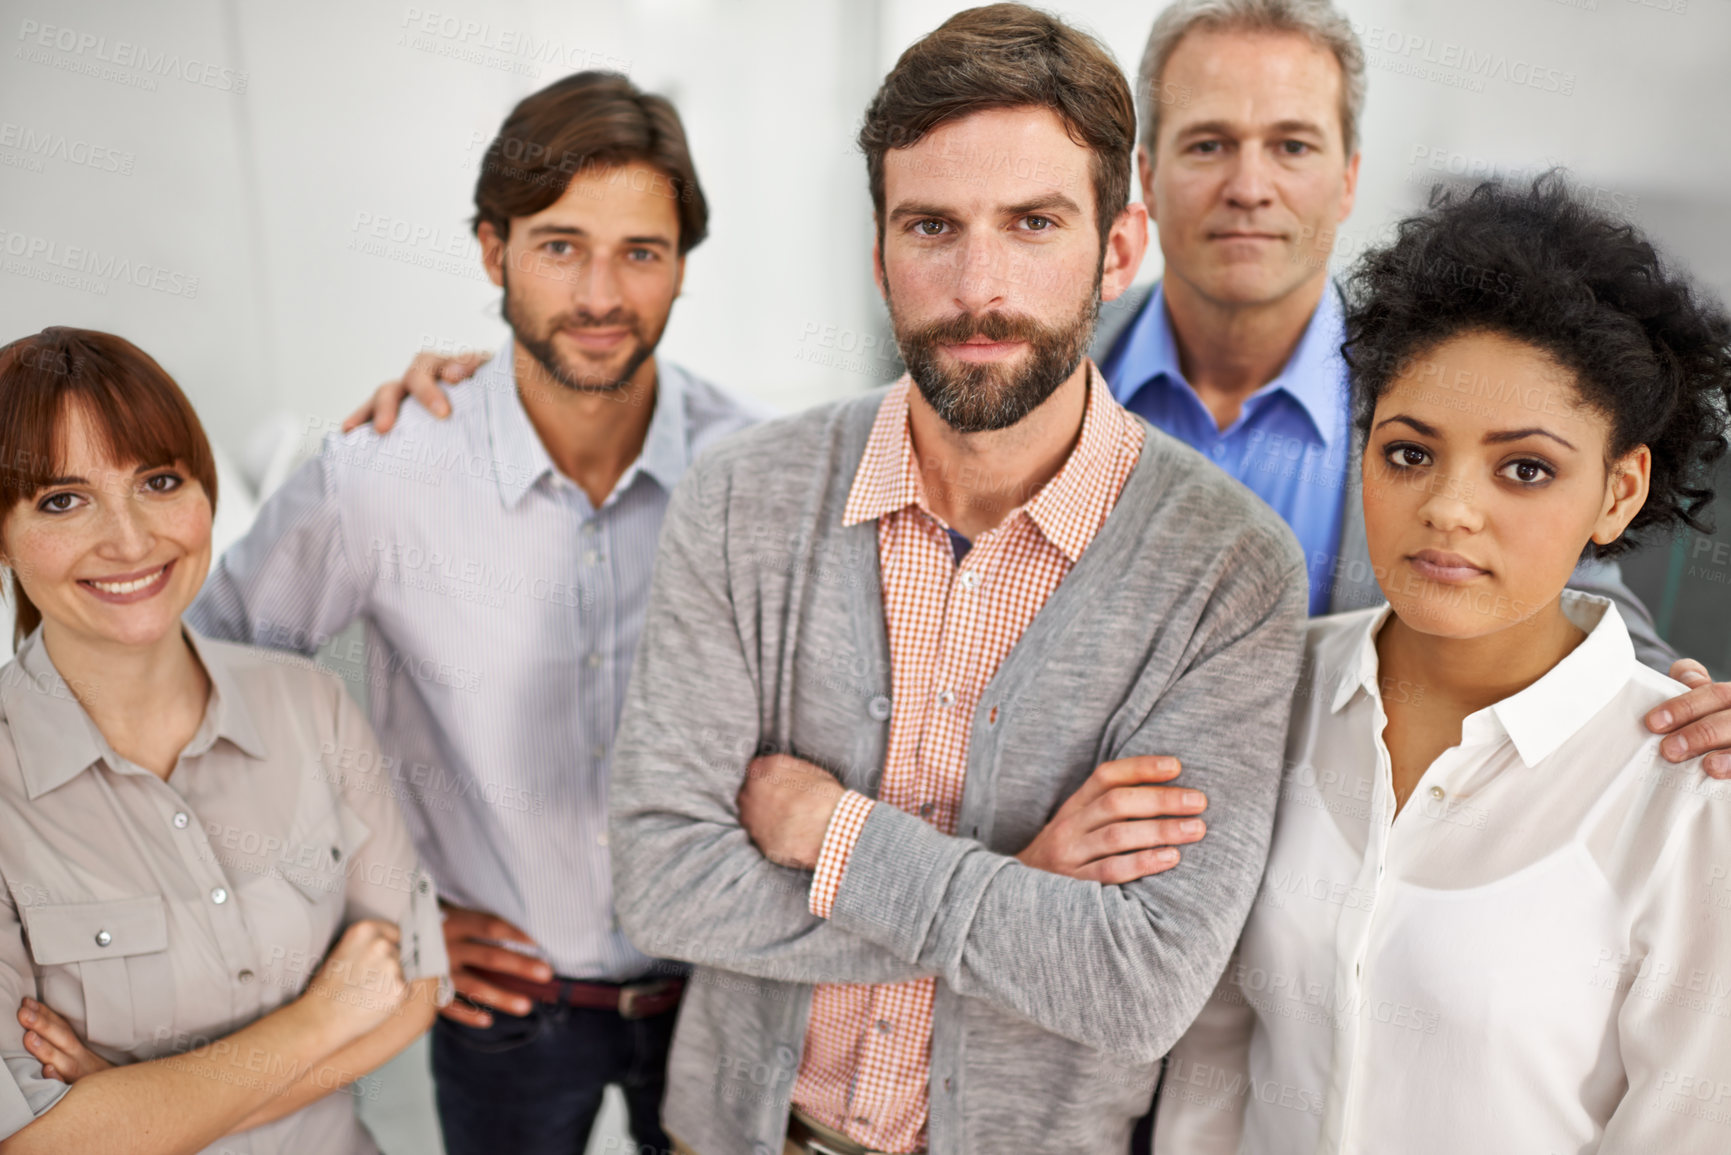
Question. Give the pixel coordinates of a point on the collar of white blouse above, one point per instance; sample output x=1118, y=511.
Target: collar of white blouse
x=55, y=740
x=1547, y=713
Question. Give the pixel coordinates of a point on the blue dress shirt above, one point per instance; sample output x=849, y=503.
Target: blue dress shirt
x=1291, y=442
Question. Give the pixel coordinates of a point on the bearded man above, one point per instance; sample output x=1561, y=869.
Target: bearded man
x=889, y=638
x=499, y=561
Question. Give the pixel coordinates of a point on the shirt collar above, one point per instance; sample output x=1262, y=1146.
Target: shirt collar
x=1547, y=713
x=56, y=740
x=522, y=460
x=1314, y=376
x=666, y=447
x=1360, y=673
x=1540, y=718
x=1068, y=509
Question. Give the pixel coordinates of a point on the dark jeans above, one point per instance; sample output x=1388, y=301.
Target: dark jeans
x=532, y=1085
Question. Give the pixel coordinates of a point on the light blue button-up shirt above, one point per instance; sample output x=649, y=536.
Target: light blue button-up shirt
x=502, y=614
x=1291, y=442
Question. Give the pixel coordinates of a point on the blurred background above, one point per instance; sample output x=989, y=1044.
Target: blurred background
x=272, y=198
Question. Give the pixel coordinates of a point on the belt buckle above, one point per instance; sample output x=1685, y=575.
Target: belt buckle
x=819, y=1147
x=631, y=996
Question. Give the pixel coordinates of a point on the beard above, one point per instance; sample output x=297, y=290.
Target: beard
x=538, y=341
x=979, y=398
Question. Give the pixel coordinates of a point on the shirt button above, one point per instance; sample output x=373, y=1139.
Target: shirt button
x=601, y=839
x=970, y=579
x=784, y=1055
x=879, y=708
x=103, y=938
x=244, y=976
x=218, y=895
x=946, y=699
x=1436, y=791
x=885, y=1026
x=926, y=810
x=862, y=1120
x=599, y=752
x=594, y=661
x=1219, y=449
x=336, y=854
x=180, y=820
x=590, y=557
x=589, y=529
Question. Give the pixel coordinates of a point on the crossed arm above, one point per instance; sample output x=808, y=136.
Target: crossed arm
x=1118, y=967
x=357, y=1013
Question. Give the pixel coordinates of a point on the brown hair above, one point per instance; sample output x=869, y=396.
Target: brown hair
x=1008, y=56
x=587, y=122
x=137, y=412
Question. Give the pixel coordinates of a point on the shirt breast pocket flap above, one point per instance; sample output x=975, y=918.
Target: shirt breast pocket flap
x=97, y=938
x=316, y=863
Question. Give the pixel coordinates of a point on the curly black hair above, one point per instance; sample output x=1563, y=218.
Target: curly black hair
x=1646, y=347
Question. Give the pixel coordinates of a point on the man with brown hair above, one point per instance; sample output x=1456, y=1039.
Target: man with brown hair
x=500, y=561
x=889, y=637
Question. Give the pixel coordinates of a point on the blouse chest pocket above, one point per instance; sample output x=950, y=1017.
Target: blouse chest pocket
x=98, y=945
x=316, y=862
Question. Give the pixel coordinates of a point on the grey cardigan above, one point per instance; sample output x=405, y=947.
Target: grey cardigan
x=1354, y=582
x=1178, y=631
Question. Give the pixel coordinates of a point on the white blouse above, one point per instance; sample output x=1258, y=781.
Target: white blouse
x=1534, y=956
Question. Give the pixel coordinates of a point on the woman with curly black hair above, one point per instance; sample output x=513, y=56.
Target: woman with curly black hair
x=1493, y=918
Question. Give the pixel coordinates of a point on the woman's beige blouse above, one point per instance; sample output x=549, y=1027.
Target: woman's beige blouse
x=157, y=916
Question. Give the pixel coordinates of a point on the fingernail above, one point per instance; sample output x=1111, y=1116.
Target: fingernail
x=27, y=1015
x=1675, y=747
x=1662, y=720
x=1193, y=798
x=1718, y=763
x=1166, y=854
x=1190, y=826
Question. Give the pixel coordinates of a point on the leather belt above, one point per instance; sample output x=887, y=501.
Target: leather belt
x=813, y=1138
x=636, y=1000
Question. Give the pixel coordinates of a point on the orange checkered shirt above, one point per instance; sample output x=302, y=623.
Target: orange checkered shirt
x=868, y=1047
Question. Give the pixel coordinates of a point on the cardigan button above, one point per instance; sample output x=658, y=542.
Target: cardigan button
x=879, y=708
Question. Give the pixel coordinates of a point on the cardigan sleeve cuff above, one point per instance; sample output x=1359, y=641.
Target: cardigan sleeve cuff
x=838, y=843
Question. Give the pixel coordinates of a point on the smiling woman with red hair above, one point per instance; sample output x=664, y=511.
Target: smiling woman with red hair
x=187, y=827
